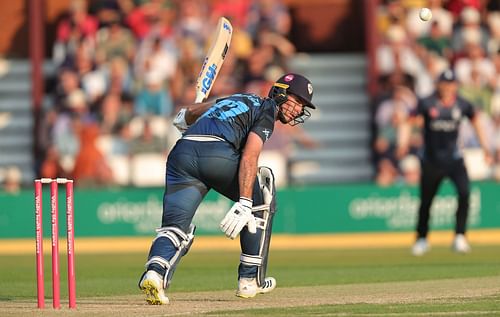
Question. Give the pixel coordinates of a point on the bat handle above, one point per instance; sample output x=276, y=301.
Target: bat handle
x=200, y=97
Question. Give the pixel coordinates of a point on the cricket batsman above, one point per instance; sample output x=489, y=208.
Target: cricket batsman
x=219, y=150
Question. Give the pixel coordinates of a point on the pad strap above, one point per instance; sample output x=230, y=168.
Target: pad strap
x=181, y=241
x=174, y=234
x=251, y=260
x=158, y=260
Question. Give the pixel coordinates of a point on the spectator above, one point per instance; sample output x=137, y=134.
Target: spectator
x=114, y=41
x=192, y=23
x=68, y=82
x=153, y=56
x=402, y=99
x=410, y=169
x=12, y=180
x=153, y=99
x=469, y=29
x=495, y=85
x=121, y=139
x=119, y=79
x=90, y=167
x=235, y=10
x=51, y=166
x=241, y=44
x=94, y=85
x=385, y=149
x=395, y=55
x=152, y=16
x=477, y=91
x=110, y=113
x=77, y=20
x=474, y=62
x=91, y=78
x=76, y=28
x=65, y=130
x=391, y=14
x=188, y=68
x=456, y=7
x=494, y=28
x=436, y=41
x=272, y=13
x=147, y=141
x=266, y=54
x=442, y=19
x=434, y=65
x=388, y=116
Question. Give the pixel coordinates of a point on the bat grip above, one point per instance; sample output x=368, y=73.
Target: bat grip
x=200, y=97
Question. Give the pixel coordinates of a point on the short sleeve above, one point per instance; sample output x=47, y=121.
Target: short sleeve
x=468, y=109
x=264, y=125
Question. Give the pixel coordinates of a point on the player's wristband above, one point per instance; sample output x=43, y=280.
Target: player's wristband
x=246, y=202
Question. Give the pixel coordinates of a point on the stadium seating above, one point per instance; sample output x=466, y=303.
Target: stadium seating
x=341, y=123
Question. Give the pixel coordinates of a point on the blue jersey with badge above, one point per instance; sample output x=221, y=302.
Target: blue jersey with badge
x=441, y=126
x=234, y=117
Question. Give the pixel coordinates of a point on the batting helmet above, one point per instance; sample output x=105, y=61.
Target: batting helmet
x=297, y=85
x=292, y=84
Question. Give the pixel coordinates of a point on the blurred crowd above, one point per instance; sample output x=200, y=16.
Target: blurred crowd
x=123, y=67
x=463, y=35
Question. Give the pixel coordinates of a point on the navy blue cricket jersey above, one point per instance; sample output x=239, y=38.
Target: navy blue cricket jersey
x=441, y=126
x=234, y=117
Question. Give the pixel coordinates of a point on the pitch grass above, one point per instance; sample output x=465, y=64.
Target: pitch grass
x=393, y=282
x=489, y=306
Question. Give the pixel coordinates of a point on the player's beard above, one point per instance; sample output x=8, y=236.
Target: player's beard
x=285, y=116
x=282, y=117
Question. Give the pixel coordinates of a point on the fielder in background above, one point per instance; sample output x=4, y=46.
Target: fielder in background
x=441, y=114
x=219, y=150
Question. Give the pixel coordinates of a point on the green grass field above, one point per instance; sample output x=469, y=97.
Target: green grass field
x=375, y=282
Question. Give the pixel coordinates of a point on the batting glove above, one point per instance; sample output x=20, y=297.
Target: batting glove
x=180, y=121
x=239, y=216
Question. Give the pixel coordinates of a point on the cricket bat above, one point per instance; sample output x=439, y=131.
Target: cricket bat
x=214, y=59
x=216, y=54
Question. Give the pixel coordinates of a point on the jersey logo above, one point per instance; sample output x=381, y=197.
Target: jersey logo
x=266, y=133
x=444, y=125
x=433, y=112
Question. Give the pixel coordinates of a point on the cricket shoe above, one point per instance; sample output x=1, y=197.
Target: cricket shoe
x=420, y=247
x=247, y=287
x=460, y=244
x=151, y=285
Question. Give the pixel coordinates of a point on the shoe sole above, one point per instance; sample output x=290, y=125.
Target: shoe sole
x=253, y=295
x=151, y=292
x=245, y=296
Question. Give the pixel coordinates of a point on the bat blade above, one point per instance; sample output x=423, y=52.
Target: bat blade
x=214, y=59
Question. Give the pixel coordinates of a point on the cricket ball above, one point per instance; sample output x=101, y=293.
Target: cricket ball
x=425, y=14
